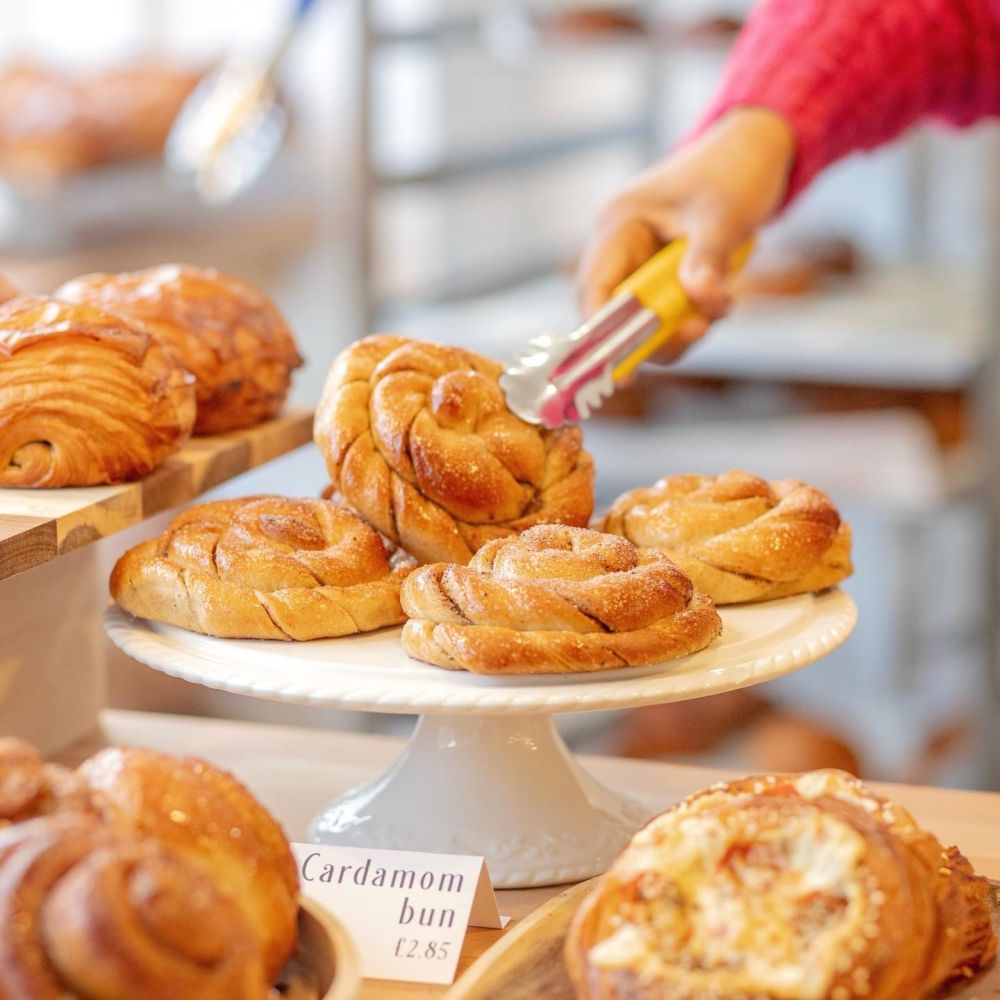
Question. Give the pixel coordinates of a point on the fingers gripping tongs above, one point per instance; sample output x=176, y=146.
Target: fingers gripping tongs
x=563, y=379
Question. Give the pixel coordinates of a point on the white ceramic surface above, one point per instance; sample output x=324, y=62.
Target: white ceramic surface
x=372, y=673
x=486, y=773
x=328, y=953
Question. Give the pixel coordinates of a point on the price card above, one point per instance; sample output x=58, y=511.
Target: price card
x=406, y=911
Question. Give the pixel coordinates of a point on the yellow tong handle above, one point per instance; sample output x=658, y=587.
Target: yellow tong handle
x=658, y=288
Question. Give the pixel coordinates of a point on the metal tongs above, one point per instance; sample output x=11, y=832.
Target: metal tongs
x=231, y=127
x=562, y=379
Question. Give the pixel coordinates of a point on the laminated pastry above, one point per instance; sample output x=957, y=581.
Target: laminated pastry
x=86, y=397
x=555, y=599
x=89, y=911
x=205, y=815
x=227, y=333
x=419, y=441
x=737, y=536
x=264, y=567
x=795, y=887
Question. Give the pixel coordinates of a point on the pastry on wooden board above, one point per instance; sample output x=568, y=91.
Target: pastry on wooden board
x=807, y=886
x=264, y=567
x=555, y=599
x=737, y=536
x=139, y=874
x=227, y=333
x=419, y=441
x=86, y=397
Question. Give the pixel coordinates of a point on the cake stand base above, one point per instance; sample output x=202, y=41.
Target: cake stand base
x=504, y=787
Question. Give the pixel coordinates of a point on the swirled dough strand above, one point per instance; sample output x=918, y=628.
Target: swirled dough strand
x=739, y=537
x=419, y=441
x=264, y=568
x=555, y=599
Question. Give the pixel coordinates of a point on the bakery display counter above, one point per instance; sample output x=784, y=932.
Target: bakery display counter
x=292, y=771
x=36, y=526
x=51, y=588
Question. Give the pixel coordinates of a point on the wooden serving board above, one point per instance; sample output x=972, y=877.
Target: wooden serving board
x=527, y=963
x=39, y=525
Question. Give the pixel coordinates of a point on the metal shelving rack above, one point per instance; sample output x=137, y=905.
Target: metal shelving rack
x=639, y=132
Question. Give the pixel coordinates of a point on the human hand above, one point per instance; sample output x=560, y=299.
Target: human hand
x=716, y=192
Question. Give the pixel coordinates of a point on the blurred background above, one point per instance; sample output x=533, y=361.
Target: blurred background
x=443, y=163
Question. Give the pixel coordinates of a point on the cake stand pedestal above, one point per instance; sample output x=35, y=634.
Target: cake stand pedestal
x=485, y=771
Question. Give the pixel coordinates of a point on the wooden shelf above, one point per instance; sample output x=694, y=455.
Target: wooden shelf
x=39, y=525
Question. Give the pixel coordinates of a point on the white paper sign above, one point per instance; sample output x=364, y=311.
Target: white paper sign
x=406, y=911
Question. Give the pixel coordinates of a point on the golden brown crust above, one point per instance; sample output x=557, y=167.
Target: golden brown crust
x=739, y=537
x=555, y=599
x=211, y=819
x=419, y=441
x=264, y=568
x=89, y=911
x=30, y=787
x=131, y=109
x=52, y=124
x=807, y=886
x=85, y=397
x=227, y=333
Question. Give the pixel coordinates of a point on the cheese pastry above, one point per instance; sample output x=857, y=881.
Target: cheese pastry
x=555, y=599
x=795, y=887
x=739, y=537
x=419, y=441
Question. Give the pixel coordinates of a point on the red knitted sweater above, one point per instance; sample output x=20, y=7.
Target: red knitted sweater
x=852, y=74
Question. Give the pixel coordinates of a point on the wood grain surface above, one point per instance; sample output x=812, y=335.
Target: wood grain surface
x=39, y=525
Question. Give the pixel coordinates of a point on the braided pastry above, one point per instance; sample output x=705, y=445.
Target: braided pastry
x=227, y=333
x=264, y=568
x=739, y=537
x=212, y=820
x=419, y=441
x=88, y=912
x=801, y=887
x=555, y=599
x=85, y=397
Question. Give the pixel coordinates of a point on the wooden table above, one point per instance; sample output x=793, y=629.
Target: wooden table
x=38, y=525
x=296, y=771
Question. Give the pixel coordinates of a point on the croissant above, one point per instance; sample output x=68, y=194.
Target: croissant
x=29, y=787
x=227, y=333
x=85, y=397
x=88, y=912
x=555, y=599
x=799, y=886
x=419, y=441
x=208, y=817
x=264, y=568
x=738, y=537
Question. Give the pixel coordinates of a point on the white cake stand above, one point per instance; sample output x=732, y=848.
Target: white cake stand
x=485, y=771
